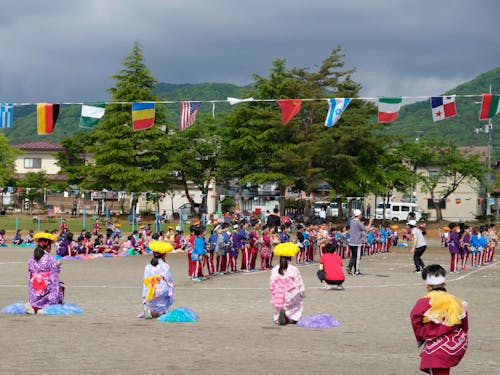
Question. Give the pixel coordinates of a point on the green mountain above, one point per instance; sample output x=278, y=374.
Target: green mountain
x=25, y=129
x=415, y=120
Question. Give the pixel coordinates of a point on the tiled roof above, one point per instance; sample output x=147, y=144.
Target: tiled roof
x=39, y=145
x=51, y=177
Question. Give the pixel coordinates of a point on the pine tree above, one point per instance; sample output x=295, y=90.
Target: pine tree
x=128, y=160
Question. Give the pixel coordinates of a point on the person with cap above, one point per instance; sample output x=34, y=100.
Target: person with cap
x=158, y=288
x=357, y=234
x=286, y=285
x=44, y=286
x=440, y=324
x=418, y=247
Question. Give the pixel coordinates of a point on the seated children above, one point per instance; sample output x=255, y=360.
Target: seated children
x=18, y=238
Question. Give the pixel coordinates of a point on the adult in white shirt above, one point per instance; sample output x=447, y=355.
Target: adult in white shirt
x=357, y=236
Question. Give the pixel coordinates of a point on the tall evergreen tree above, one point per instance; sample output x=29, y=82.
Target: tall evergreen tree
x=128, y=160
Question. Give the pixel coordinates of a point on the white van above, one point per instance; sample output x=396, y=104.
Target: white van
x=397, y=211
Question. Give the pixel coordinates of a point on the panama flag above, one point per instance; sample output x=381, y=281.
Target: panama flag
x=388, y=109
x=336, y=108
x=91, y=114
x=289, y=108
x=443, y=107
x=489, y=106
x=143, y=115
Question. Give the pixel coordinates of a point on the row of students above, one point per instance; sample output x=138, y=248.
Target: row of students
x=476, y=243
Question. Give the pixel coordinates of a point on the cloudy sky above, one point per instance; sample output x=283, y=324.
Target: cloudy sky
x=67, y=50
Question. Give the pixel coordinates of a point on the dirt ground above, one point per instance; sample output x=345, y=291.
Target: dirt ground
x=236, y=333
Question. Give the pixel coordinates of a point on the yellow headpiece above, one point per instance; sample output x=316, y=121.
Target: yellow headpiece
x=286, y=249
x=161, y=247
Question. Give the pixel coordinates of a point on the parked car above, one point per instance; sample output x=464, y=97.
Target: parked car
x=397, y=211
x=332, y=208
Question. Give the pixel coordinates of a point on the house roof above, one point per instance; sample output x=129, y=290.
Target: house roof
x=39, y=146
x=51, y=177
x=482, y=151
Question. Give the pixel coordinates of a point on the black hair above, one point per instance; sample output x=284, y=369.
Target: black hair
x=38, y=253
x=329, y=248
x=69, y=236
x=434, y=270
x=452, y=225
x=156, y=259
x=283, y=264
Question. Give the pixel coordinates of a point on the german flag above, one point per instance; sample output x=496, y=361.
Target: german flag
x=46, y=117
x=143, y=115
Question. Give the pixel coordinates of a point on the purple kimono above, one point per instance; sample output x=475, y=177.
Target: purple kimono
x=43, y=282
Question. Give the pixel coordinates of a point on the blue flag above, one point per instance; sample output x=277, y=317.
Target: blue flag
x=337, y=107
x=6, y=115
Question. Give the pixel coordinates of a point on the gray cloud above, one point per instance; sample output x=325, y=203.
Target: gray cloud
x=67, y=51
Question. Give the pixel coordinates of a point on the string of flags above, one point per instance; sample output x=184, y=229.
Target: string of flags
x=143, y=113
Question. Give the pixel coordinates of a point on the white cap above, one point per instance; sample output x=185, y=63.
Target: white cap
x=435, y=280
x=356, y=212
x=178, y=228
x=413, y=223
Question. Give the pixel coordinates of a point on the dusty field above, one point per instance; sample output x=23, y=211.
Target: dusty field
x=236, y=333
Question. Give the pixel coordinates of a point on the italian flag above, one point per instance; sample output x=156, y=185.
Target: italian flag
x=489, y=106
x=388, y=109
x=91, y=114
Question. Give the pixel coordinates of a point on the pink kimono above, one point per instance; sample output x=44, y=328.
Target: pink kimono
x=287, y=292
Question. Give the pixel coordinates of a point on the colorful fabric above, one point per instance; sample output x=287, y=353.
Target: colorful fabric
x=444, y=345
x=289, y=108
x=150, y=283
x=143, y=115
x=6, y=115
x=162, y=296
x=46, y=117
x=91, y=115
x=490, y=106
x=336, y=108
x=288, y=291
x=189, y=110
x=388, y=109
x=445, y=309
x=52, y=293
x=443, y=107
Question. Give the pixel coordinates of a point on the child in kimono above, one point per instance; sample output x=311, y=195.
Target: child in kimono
x=440, y=324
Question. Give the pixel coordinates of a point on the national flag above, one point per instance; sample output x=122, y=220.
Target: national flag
x=143, y=115
x=489, y=106
x=6, y=115
x=46, y=115
x=443, y=107
x=189, y=110
x=91, y=114
x=388, y=109
x=289, y=108
x=234, y=101
x=336, y=108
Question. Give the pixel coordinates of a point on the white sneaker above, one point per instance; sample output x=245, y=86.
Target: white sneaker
x=327, y=287
x=29, y=309
x=147, y=312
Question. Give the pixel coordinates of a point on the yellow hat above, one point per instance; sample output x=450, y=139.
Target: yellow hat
x=45, y=236
x=161, y=247
x=394, y=227
x=141, y=227
x=446, y=229
x=286, y=249
x=118, y=225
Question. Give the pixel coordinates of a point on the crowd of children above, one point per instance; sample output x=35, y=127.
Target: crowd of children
x=464, y=242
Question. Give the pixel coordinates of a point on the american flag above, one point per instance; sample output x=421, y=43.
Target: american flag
x=189, y=110
x=6, y=115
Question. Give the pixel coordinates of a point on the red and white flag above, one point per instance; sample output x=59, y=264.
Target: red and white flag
x=189, y=110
